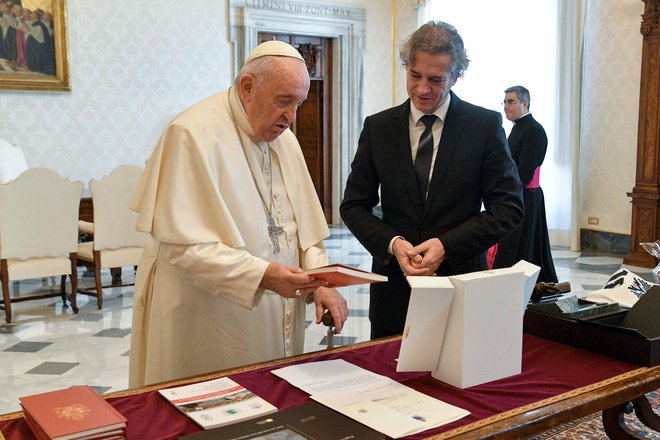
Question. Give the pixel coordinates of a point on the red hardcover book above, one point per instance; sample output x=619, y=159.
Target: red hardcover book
x=34, y=427
x=73, y=413
x=118, y=434
x=338, y=275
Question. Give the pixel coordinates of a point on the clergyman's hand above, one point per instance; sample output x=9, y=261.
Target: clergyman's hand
x=289, y=281
x=329, y=299
x=402, y=251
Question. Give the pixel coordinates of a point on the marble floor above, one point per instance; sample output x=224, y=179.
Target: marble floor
x=48, y=347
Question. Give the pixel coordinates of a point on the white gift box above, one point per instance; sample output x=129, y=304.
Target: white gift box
x=471, y=324
x=428, y=310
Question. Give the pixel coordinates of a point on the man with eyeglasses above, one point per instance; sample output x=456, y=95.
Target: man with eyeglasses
x=527, y=143
x=431, y=162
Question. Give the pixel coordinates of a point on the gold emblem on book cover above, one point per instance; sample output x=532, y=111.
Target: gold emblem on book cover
x=77, y=411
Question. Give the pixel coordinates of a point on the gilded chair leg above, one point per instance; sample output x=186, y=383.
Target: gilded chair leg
x=97, y=278
x=73, y=256
x=5, y=289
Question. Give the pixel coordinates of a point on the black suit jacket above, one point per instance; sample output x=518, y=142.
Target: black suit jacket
x=472, y=166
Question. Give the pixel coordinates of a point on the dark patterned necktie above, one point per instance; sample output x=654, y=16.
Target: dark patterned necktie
x=424, y=155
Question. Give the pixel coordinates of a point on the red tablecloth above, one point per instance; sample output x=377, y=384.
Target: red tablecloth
x=548, y=369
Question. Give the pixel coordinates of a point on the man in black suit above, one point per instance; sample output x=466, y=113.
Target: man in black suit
x=431, y=175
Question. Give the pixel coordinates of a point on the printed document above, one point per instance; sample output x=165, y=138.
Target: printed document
x=372, y=399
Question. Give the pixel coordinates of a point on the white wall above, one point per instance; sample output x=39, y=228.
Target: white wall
x=612, y=68
x=133, y=67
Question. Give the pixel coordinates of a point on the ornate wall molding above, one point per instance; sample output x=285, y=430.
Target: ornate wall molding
x=651, y=18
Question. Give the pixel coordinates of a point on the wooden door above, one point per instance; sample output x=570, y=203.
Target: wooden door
x=313, y=123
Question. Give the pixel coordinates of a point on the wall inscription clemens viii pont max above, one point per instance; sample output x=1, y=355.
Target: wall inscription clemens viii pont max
x=299, y=8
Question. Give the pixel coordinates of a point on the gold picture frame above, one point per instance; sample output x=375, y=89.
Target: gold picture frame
x=46, y=67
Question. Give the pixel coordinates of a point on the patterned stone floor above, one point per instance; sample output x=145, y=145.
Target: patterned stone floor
x=47, y=347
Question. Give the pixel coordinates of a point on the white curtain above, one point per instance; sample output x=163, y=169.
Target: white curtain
x=570, y=51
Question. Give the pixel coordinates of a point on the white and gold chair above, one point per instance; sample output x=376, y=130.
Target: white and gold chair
x=116, y=243
x=38, y=231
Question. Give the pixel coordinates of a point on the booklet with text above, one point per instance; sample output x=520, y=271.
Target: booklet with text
x=217, y=402
x=338, y=275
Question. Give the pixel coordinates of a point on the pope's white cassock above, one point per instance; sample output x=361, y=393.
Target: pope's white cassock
x=198, y=306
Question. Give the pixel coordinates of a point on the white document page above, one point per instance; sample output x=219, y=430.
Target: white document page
x=372, y=399
x=326, y=376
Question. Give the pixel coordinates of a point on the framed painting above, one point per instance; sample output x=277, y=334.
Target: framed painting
x=33, y=46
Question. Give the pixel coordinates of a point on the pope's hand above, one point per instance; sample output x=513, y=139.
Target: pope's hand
x=330, y=299
x=289, y=281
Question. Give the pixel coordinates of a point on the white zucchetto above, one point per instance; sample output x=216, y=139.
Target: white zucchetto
x=274, y=48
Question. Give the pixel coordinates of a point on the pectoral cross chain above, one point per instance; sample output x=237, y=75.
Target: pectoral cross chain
x=273, y=231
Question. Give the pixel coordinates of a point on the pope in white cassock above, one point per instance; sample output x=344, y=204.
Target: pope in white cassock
x=233, y=219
